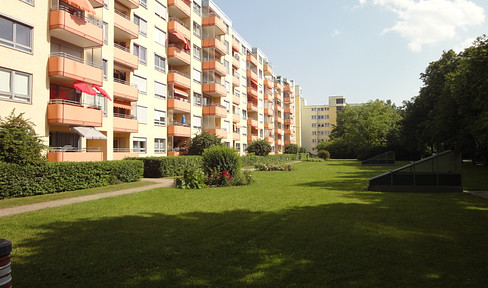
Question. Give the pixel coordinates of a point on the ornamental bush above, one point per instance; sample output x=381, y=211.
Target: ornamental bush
x=201, y=142
x=159, y=167
x=324, y=154
x=217, y=159
x=259, y=147
x=193, y=178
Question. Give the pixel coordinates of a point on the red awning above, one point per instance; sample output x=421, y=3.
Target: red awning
x=180, y=92
x=122, y=104
x=183, y=39
x=83, y=87
x=102, y=91
x=84, y=5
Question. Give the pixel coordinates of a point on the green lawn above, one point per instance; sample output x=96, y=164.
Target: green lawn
x=316, y=226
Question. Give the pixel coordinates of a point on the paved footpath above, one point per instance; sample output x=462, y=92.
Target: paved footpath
x=158, y=183
x=483, y=194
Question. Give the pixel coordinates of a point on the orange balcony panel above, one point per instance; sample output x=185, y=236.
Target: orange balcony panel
x=252, y=107
x=278, y=85
x=126, y=125
x=236, y=81
x=214, y=89
x=125, y=58
x=253, y=76
x=287, y=100
x=278, y=142
x=236, y=45
x=289, y=121
x=124, y=28
x=252, y=138
x=176, y=153
x=217, y=22
x=287, y=89
x=96, y=3
x=74, y=30
x=236, y=63
x=252, y=92
x=277, y=108
x=179, y=79
x=123, y=155
x=132, y=4
x=279, y=131
x=278, y=120
x=277, y=96
x=268, y=97
x=269, y=84
x=268, y=70
x=126, y=92
x=174, y=26
x=252, y=122
x=252, y=59
x=288, y=132
x=236, y=118
x=179, y=105
x=221, y=133
x=236, y=137
x=74, y=70
x=214, y=43
x=268, y=111
x=179, y=8
x=236, y=99
x=216, y=66
x=288, y=110
x=179, y=131
x=74, y=156
x=74, y=115
x=270, y=140
x=178, y=56
x=218, y=111
x=268, y=125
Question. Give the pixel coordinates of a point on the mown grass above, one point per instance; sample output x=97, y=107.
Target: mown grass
x=316, y=226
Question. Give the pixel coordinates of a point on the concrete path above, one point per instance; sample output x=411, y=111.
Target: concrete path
x=483, y=194
x=158, y=183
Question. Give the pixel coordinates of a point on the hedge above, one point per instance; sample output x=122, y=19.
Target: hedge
x=158, y=167
x=54, y=177
x=251, y=160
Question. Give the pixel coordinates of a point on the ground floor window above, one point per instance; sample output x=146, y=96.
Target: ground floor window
x=159, y=145
x=139, y=145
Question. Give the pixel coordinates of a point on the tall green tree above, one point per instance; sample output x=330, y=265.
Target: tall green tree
x=259, y=147
x=19, y=143
x=203, y=141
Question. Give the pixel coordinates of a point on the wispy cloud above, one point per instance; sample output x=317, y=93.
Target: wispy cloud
x=430, y=21
x=335, y=33
x=463, y=45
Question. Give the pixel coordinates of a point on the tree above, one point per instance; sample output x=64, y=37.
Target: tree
x=19, y=143
x=294, y=149
x=259, y=147
x=203, y=141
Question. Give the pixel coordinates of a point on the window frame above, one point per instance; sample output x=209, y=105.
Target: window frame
x=13, y=43
x=11, y=95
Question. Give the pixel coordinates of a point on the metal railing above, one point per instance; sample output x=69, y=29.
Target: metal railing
x=178, y=98
x=118, y=46
x=57, y=5
x=122, y=14
x=215, y=105
x=124, y=82
x=178, y=21
x=179, y=49
x=69, y=148
x=179, y=73
x=74, y=103
x=176, y=123
x=75, y=58
x=126, y=150
x=126, y=116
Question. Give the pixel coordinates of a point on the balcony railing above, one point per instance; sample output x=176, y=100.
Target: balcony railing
x=124, y=82
x=179, y=21
x=122, y=14
x=75, y=58
x=119, y=115
x=77, y=13
x=74, y=103
x=69, y=148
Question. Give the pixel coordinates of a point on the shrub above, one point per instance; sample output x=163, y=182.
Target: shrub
x=323, y=154
x=273, y=167
x=203, y=141
x=259, y=147
x=252, y=160
x=217, y=159
x=193, y=178
x=224, y=178
x=158, y=167
x=294, y=149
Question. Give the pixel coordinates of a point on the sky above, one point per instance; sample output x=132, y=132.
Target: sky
x=361, y=49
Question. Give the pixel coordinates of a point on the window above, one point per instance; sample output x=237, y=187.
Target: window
x=314, y=117
x=160, y=10
x=159, y=63
x=141, y=83
x=139, y=144
x=15, y=35
x=143, y=3
x=226, y=126
x=105, y=69
x=227, y=66
x=97, y=101
x=142, y=114
x=105, y=4
x=244, y=114
x=244, y=147
x=159, y=90
x=140, y=52
x=260, y=74
x=197, y=29
x=261, y=118
x=238, y=147
x=196, y=8
x=227, y=86
x=159, y=117
x=159, y=145
x=197, y=52
x=340, y=101
x=159, y=36
x=314, y=125
x=260, y=59
x=105, y=32
x=28, y=1
x=227, y=49
x=197, y=99
x=142, y=25
x=15, y=85
x=227, y=105
x=197, y=122
x=197, y=76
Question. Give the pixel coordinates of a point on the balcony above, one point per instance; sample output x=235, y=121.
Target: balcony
x=215, y=110
x=214, y=43
x=278, y=85
x=71, y=113
x=179, y=79
x=289, y=132
x=63, y=65
x=253, y=76
x=278, y=142
x=236, y=81
x=278, y=108
x=178, y=56
x=176, y=25
x=252, y=138
x=179, y=8
x=123, y=90
x=214, y=89
x=268, y=111
x=124, y=28
x=236, y=136
x=179, y=104
x=268, y=125
x=269, y=83
x=217, y=23
x=221, y=133
x=252, y=122
x=252, y=92
x=236, y=45
x=132, y=4
x=287, y=100
x=123, y=56
x=278, y=131
x=75, y=156
x=278, y=120
x=179, y=131
x=289, y=122
x=268, y=97
x=252, y=107
x=270, y=140
x=288, y=89
x=122, y=153
x=236, y=63
x=81, y=32
x=277, y=96
x=268, y=70
x=289, y=110
x=125, y=123
x=236, y=118
x=216, y=66
x=236, y=99
x=252, y=60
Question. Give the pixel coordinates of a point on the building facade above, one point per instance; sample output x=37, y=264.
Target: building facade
x=109, y=79
x=317, y=122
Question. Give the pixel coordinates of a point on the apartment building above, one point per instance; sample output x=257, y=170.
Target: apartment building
x=109, y=79
x=317, y=122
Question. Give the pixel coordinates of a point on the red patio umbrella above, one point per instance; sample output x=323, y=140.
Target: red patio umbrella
x=102, y=91
x=83, y=87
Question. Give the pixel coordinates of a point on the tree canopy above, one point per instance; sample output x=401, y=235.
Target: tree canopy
x=201, y=142
x=259, y=147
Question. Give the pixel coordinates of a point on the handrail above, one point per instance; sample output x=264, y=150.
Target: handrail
x=124, y=82
x=179, y=98
x=75, y=58
x=122, y=150
x=69, y=148
x=121, y=47
x=122, y=14
x=72, y=11
x=74, y=103
x=179, y=49
x=120, y=115
x=176, y=123
x=215, y=105
x=172, y=18
x=179, y=73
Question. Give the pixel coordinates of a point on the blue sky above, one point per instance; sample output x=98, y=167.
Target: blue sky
x=361, y=49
